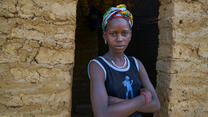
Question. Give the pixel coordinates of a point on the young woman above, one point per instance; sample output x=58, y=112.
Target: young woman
x=119, y=85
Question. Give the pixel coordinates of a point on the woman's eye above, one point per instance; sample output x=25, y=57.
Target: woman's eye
x=124, y=33
x=113, y=34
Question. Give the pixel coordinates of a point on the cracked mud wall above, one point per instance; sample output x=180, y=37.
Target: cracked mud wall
x=36, y=57
x=182, y=81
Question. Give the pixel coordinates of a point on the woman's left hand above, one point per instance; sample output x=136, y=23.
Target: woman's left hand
x=148, y=93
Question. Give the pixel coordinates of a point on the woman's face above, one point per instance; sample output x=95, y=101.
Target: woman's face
x=117, y=35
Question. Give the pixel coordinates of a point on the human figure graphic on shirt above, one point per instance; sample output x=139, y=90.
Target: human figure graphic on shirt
x=128, y=84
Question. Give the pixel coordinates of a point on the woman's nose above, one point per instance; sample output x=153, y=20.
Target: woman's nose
x=119, y=37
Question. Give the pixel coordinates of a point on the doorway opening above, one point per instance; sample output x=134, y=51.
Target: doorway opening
x=89, y=44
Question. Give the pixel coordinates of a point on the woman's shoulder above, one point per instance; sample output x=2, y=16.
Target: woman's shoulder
x=98, y=61
x=134, y=61
x=134, y=58
x=96, y=65
x=95, y=59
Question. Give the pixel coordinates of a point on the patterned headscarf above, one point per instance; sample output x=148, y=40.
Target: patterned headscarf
x=119, y=11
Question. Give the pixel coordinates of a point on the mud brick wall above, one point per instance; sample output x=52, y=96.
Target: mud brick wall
x=36, y=57
x=183, y=58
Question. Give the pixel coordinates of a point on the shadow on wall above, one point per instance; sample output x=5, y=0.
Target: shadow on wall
x=163, y=65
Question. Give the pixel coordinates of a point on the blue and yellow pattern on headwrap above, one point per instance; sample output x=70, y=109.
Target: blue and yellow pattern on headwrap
x=119, y=11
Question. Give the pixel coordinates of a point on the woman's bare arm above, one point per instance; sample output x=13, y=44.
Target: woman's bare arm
x=154, y=105
x=99, y=97
x=114, y=100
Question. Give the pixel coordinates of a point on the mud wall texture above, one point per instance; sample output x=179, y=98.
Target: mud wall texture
x=36, y=57
x=182, y=81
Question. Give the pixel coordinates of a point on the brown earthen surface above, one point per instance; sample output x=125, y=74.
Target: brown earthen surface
x=36, y=57
x=183, y=58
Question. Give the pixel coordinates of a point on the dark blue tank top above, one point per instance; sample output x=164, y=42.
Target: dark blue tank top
x=122, y=83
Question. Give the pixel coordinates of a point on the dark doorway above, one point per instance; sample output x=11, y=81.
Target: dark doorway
x=89, y=44
x=144, y=43
x=85, y=49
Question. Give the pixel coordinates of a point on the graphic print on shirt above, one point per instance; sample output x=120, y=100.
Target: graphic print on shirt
x=127, y=83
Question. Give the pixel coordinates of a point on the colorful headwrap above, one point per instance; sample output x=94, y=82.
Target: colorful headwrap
x=119, y=11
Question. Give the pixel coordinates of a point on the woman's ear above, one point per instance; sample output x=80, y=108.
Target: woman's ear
x=130, y=33
x=104, y=37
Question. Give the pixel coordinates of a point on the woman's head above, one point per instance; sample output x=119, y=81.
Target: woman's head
x=117, y=29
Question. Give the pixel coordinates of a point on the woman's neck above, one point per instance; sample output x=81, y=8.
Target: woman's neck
x=114, y=56
x=118, y=60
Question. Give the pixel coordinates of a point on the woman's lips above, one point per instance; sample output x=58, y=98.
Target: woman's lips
x=120, y=47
